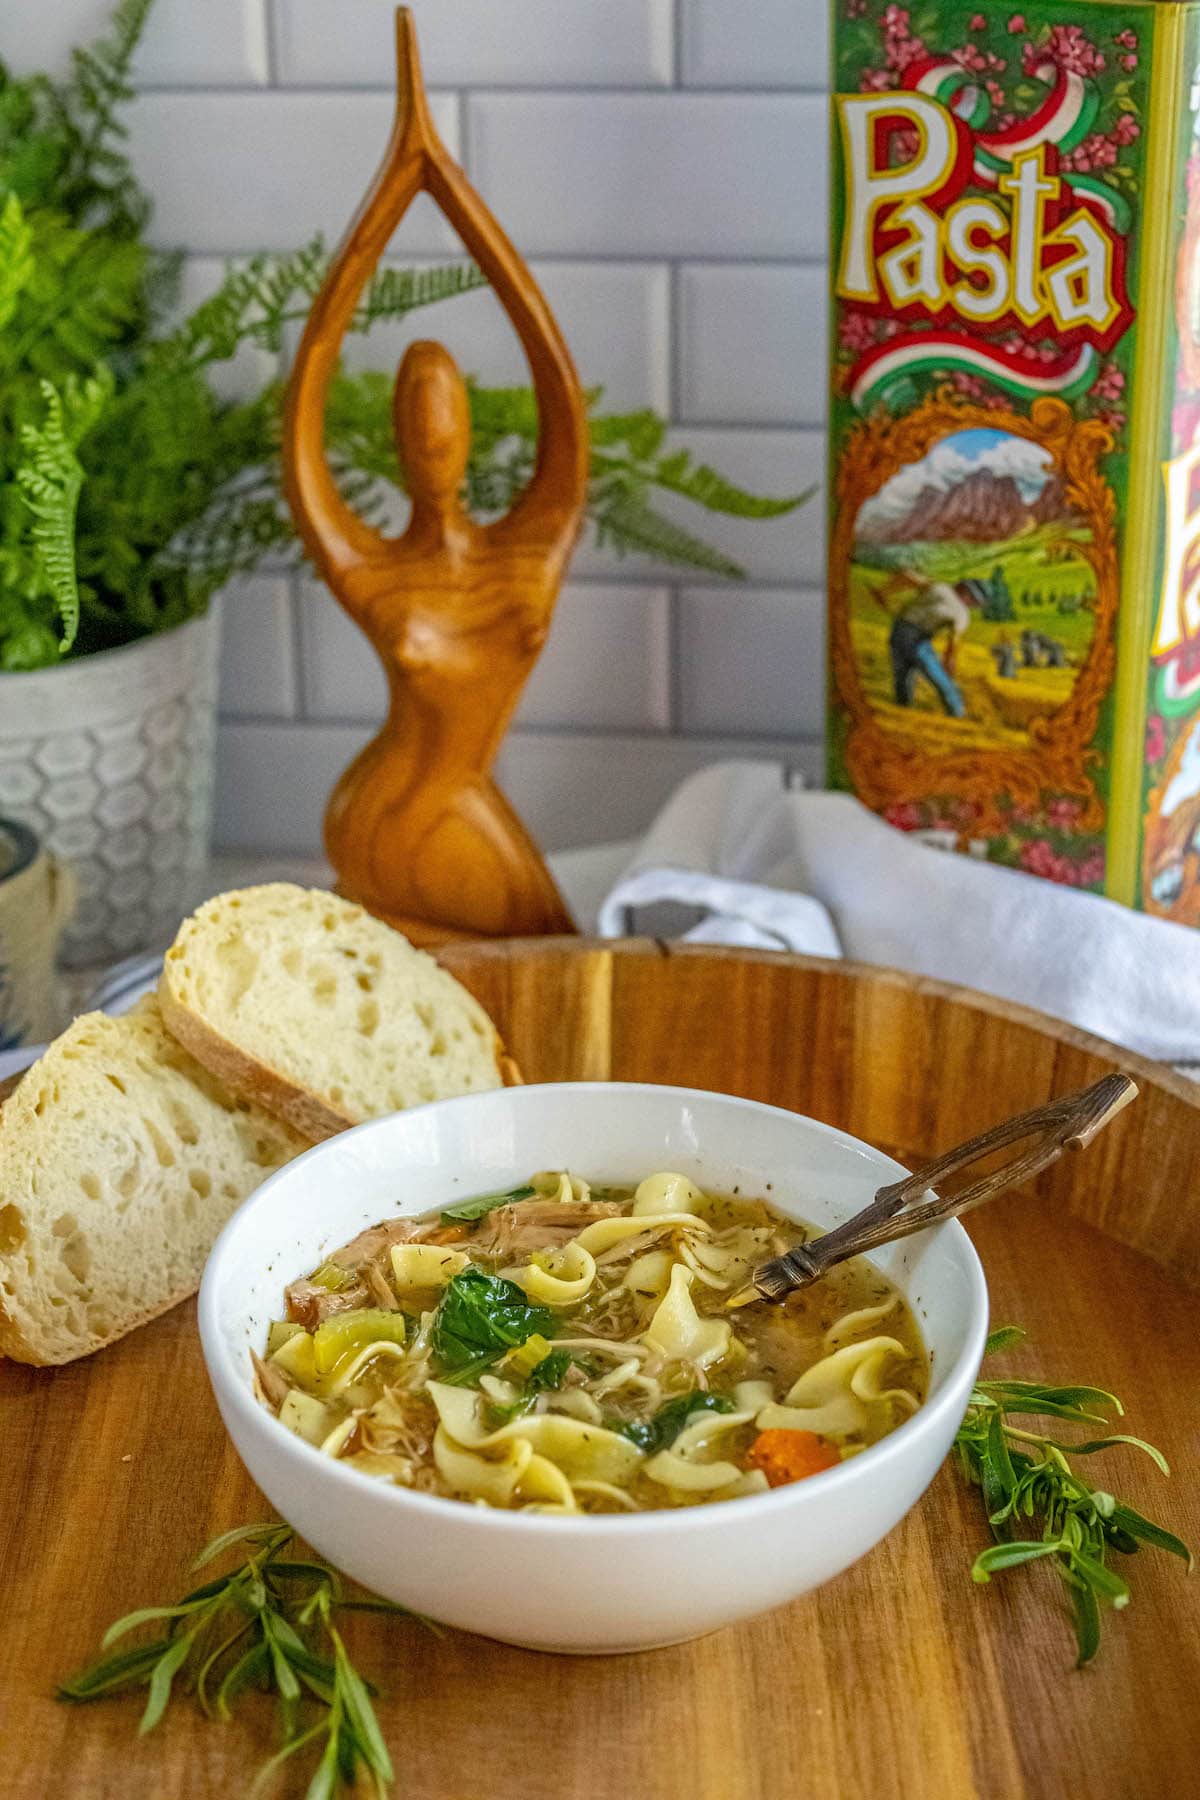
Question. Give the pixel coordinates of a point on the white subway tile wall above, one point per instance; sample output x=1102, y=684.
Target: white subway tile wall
x=662, y=165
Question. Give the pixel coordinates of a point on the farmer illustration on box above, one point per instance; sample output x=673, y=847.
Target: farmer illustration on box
x=936, y=609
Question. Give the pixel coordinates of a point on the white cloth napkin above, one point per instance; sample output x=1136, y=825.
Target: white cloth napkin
x=817, y=872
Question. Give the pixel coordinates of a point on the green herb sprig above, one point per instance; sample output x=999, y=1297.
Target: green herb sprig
x=268, y=1624
x=1039, y=1507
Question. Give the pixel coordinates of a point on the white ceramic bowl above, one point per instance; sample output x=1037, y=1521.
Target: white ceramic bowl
x=609, y=1583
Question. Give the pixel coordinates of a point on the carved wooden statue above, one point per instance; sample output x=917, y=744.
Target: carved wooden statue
x=457, y=611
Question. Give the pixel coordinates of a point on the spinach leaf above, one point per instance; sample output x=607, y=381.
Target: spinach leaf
x=550, y=1372
x=467, y=1211
x=479, y=1317
x=657, y=1433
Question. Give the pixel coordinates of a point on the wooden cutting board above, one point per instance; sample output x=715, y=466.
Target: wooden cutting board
x=898, y=1680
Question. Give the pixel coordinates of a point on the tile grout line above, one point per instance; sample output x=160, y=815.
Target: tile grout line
x=585, y=259
x=565, y=90
x=299, y=658
x=271, y=40
x=674, y=660
x=544, y=734
x=466, y=149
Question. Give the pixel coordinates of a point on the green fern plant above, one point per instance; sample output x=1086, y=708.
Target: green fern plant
x=130, y=490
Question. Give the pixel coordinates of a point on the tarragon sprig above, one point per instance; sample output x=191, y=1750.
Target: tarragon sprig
x=1039, y=1507
x=269, y=1624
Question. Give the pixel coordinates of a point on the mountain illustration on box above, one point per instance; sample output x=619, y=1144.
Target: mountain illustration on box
x=979, y=486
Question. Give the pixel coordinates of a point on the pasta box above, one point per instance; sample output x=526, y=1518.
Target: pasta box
x=1015, y=434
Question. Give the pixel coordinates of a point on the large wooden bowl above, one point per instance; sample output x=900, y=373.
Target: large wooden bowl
x=900, y=1679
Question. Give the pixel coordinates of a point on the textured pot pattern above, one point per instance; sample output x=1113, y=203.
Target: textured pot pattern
x=110, y=761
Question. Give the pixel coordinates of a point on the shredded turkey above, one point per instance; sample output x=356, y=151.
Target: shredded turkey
x=365, y=1258
x=528, y=1225
x=272, y=1382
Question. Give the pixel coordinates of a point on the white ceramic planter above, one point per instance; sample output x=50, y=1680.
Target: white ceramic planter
x=109, y=759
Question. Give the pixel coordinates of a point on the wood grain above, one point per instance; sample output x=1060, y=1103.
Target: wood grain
x=898, y=1680
x=457, y=612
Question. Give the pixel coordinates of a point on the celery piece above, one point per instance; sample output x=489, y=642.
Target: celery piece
x=521, y=1363
x=281, y=1330
x=354, y=1330
x=332, y=1277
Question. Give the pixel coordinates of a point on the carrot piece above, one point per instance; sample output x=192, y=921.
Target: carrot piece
x=785, y=1456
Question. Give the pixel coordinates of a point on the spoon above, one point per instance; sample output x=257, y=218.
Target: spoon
x=1066, y=1124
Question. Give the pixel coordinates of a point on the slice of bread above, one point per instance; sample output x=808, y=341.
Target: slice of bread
x=120, y=1160
x=304, y=1003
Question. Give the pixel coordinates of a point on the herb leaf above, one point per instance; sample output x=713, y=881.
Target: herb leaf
x=479, y=1317
x=469, y=1210
x=550, y=1372
x=657, y=1433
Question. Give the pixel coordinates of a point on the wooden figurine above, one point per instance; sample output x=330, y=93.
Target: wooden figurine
x=457, y=612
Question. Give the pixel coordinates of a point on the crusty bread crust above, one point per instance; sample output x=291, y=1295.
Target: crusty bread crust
x=15, y=1344
x=255, y=1073
x=250, y=1079
x=306, y=1111
x=176, y=1149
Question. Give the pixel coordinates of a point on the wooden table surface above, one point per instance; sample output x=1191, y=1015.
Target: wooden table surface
x=898, y=1680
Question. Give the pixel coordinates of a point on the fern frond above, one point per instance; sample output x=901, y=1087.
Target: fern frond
x=259, y=298
x=697, y=482
x=250, y=306
x=50, y=483
x=394, y=292
x=625, y=523
x=101, y=71
x=16, y=257
x=98, y=185
x=642, y=432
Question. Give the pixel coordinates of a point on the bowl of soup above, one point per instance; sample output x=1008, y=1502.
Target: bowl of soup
x=493, y=1358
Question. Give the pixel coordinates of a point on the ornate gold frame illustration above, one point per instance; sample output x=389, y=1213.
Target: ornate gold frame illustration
x=884, y=769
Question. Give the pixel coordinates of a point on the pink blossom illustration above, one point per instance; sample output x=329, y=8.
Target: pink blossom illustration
x=1109, y=384
x=1062, y=813
x=856, y=331
x=1156, y=738
x=1072, y=50
x=969, y=56
x=1016, y=24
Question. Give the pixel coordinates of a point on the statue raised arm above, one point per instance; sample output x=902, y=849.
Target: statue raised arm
x=457, y=611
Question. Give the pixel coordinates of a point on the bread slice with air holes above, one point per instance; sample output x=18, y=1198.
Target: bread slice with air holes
x=303, y=1002
x=120, y=1160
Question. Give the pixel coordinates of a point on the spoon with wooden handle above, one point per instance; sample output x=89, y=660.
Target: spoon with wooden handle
x=909, y=1205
